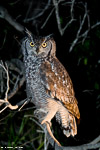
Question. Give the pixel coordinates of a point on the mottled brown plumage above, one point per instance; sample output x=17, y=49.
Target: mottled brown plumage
x=59, y=84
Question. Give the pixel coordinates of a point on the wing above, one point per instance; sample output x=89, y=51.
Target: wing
x=59, y=85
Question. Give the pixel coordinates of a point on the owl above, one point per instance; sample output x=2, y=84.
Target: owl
x=48, y=85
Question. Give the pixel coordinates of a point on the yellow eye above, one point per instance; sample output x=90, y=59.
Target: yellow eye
x=31, y=44
x=44, y=45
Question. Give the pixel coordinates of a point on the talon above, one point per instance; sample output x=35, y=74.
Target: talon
x=51, y=134
x=43, y=122
x=46, y=122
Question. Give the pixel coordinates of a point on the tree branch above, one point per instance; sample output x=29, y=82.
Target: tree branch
x=15, y=88
x=83, y=35
x=5, y=101
x=56, y=5
x=5, y=15
x=39, y=14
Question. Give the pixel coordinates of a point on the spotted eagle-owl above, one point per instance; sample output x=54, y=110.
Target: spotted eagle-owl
x=49, y=85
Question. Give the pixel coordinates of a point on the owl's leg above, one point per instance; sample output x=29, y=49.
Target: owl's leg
x=52, y=108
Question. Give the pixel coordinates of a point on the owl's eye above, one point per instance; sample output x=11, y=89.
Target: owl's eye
x=44, y=45
x=31, y=44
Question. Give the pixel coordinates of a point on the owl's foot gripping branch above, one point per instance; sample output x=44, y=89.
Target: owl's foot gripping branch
x=51, y=134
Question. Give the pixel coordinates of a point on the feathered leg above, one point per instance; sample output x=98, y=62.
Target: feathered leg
x=52, y=107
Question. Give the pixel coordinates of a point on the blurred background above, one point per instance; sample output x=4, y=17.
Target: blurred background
x=75, y=26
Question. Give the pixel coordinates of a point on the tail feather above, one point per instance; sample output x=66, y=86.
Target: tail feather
x=71, y=128
x=67, y=121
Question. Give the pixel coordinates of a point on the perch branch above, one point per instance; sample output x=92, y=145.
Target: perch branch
x=89, y=146
x=45, y=131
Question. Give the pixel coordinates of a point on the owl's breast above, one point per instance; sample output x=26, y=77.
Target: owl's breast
x=35, y=87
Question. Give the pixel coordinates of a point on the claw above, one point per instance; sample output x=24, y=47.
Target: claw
x=48, y=124
x=45, y=121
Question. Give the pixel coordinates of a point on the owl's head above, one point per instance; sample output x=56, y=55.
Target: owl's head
x=41, y=47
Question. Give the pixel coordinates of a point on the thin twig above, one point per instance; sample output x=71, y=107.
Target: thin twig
x=56, y=5
x=83, y=35
x=39, y=14
x=23, y=105
x=79, y=30
x=47, y=19
x=7, y=90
